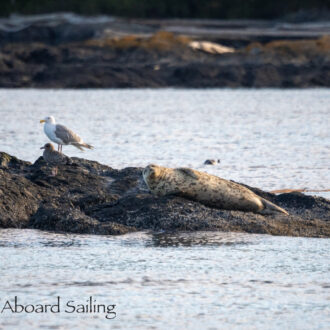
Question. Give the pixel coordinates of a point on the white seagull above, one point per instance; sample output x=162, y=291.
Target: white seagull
x=62, y=135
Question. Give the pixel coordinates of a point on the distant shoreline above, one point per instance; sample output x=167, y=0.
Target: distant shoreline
x=70, y=51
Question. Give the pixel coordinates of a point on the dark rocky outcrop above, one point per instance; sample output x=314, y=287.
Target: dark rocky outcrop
x=83, y=65
x=88, y=197
x=69, y=51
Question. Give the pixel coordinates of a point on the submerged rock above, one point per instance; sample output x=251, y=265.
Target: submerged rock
x=91, y=198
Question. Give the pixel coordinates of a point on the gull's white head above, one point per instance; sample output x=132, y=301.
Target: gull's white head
x=48, y=120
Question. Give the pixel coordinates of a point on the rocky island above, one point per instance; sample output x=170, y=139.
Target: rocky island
x=91, y=198
x=71, y=51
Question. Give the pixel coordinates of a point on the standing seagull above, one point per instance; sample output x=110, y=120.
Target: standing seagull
x=55, y=158
x=62, y=135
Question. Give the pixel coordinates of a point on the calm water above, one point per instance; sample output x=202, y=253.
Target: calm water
x=270, y=139
x=194, y=281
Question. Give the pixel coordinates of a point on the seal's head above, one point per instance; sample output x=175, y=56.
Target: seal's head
x=155, y=176
x=150, y=172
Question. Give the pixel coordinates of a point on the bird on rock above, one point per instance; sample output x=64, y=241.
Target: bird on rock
x=62, y=135
x=54, y=158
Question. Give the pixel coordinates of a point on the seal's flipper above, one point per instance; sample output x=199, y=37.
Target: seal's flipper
x=270, y=208
x=189, y=172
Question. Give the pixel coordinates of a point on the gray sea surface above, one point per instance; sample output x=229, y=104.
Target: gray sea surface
x=272, y=139
x=167, y=281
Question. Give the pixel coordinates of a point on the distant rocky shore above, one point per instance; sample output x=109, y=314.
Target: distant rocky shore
x=91, y=198
x=70, y=51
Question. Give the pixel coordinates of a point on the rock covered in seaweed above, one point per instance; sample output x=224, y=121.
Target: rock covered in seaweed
x=91, y=198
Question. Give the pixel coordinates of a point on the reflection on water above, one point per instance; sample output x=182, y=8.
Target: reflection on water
x=205, y=280
x=197, y=239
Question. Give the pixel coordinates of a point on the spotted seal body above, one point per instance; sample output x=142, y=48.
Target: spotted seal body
x=205, y=188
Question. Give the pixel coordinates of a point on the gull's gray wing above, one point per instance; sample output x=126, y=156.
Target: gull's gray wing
x=60, y=158
x=66, y=135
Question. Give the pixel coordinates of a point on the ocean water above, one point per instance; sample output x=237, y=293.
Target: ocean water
x=166, y=281
x=272, y=139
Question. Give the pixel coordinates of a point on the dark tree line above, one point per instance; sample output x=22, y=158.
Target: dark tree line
x=166, y=8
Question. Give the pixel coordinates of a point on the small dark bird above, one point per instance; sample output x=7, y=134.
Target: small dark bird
x=55, y=158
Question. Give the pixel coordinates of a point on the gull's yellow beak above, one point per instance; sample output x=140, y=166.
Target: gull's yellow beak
x=42, y=121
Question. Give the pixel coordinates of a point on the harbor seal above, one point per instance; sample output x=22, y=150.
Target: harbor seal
x=211, y=162
x=207, y=189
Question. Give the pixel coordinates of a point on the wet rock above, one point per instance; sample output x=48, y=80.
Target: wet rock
x=10, y=162
x=65, y=218
x=91, y=198
x=50, y=29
